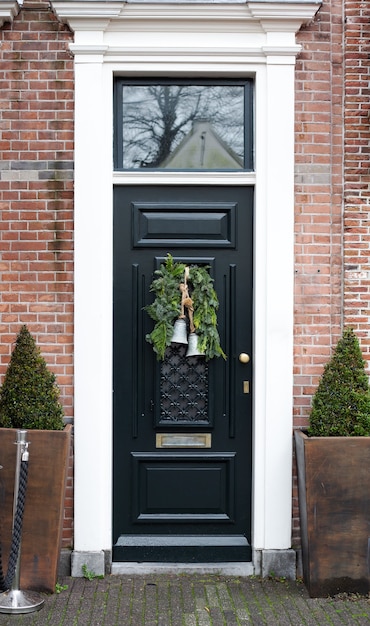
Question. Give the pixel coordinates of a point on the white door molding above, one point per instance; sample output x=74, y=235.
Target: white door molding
x=194, y=39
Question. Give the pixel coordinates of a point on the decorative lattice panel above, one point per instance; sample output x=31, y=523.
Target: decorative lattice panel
x=183, y=388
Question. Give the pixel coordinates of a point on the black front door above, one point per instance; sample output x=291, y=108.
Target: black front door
x=182, y=427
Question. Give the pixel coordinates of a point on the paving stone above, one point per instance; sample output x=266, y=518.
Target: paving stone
x=191, y=600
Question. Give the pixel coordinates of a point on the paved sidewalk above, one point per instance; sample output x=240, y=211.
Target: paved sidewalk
x=190, y=600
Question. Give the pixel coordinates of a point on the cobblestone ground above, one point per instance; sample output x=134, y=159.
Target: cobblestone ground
x=190, y=600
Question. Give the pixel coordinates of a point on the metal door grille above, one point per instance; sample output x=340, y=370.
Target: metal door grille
x=183, y=388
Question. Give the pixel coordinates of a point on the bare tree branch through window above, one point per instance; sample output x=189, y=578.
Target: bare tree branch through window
x=177, y=126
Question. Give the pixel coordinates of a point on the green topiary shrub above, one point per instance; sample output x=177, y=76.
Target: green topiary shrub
x=341, y=404
x=29, y=396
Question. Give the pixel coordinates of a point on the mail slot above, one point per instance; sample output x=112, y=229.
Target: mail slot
x=177, y=440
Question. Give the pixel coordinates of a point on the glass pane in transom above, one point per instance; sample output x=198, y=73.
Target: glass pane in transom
x=183, y=126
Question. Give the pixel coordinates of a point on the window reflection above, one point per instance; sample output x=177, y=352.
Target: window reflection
x=183, y=127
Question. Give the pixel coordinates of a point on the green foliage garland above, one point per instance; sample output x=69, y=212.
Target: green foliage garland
x=167, y=304
x=29, y=396
x=205, y=312
x=166, y=307
x=341, y=404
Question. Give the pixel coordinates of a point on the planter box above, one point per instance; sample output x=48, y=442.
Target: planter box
x=44, y=508
x=334, y=502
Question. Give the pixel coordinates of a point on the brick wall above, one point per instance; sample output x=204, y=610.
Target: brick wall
x=318, y=207
x=332, y=274
x=356, y=169
x=332, y=193
x=36, y=195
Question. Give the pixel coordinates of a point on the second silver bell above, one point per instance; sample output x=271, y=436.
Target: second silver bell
x=179, y=332
x=193, y=349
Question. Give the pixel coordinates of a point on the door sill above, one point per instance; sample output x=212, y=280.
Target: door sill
x=223, y=569
x=182, y=549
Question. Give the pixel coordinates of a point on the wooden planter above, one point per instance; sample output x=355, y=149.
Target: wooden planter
x=334, y=502
x=43, y=515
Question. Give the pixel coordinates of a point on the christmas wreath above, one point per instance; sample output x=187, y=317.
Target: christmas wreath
x=184, y=292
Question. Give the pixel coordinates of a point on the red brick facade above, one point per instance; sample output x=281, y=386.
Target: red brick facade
x=36, y=195
x=356, y=232
x=332, y=273
x=332, y=281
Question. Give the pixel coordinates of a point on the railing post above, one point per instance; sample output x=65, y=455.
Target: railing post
x=16, y=601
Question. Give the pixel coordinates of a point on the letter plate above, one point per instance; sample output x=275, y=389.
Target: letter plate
x=177, y=440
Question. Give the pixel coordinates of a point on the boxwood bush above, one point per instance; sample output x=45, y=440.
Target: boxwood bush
x=29, y=396
x=341, y=404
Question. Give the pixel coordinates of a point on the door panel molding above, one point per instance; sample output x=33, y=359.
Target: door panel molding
x=157, y=499
x=173, y=225
x=231, y=317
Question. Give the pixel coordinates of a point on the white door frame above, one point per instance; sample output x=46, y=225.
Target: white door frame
x=193, y=39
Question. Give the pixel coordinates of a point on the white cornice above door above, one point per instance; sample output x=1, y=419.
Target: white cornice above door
x=8, y=11
x=251, y=29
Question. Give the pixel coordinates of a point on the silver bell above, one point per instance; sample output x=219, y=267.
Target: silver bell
x=179, y=332
x=193, y=346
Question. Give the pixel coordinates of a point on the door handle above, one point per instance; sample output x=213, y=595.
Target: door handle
x=244, y=357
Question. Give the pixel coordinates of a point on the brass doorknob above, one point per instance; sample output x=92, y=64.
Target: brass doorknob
x=244, y=358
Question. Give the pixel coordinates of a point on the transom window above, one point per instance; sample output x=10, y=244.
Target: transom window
x=183, y=125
